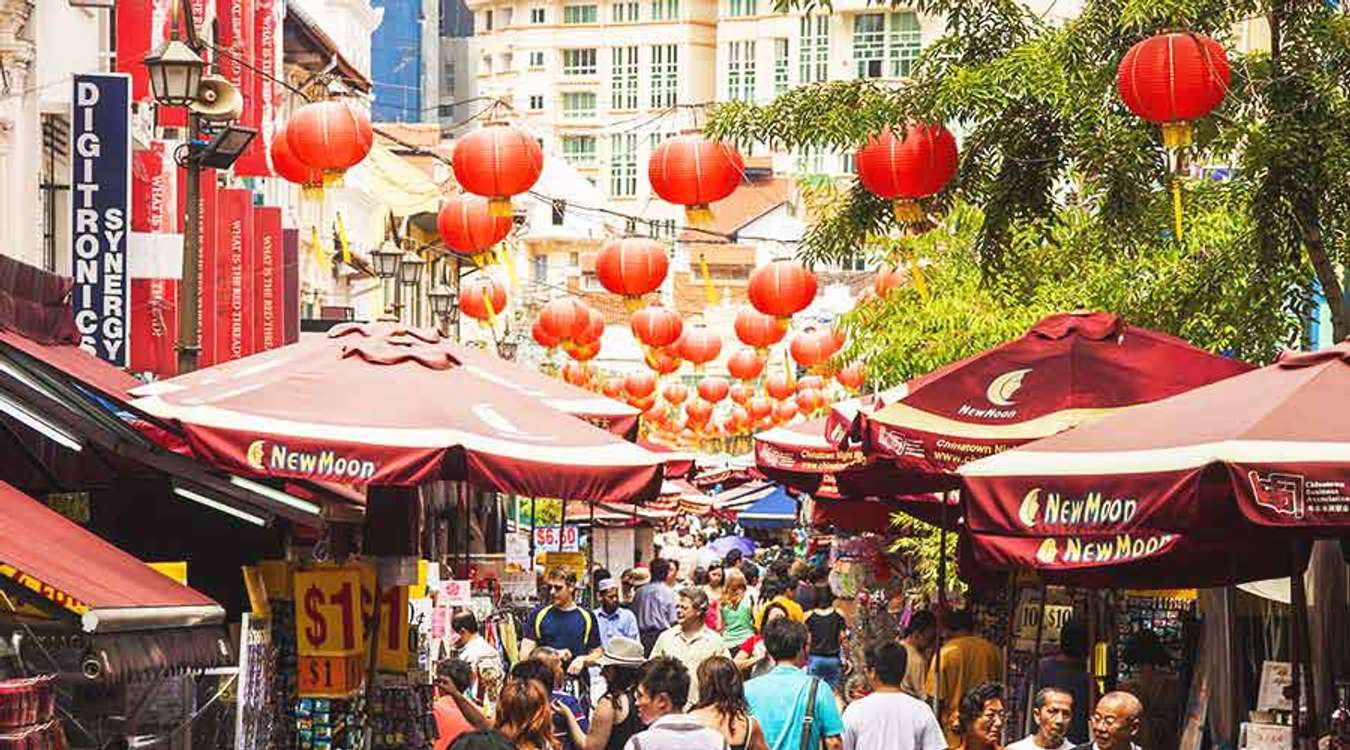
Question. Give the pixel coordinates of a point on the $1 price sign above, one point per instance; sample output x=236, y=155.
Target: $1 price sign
x=328, y=612
x=329, y=676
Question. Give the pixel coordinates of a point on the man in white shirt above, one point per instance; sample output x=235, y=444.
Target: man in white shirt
x=889, y=718
x=481, y=656
x=1115, y=723
x=690, y=640
x=1052, y=710
x=661, y=695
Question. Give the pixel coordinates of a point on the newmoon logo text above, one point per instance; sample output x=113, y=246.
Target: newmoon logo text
x=323, y=464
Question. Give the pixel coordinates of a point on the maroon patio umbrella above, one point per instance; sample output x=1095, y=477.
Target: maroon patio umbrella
x=1070, y=368
x=381, y=404
x=1235, y=469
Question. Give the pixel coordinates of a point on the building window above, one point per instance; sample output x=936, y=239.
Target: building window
x=536, y=102
x=539, y=269
x=624, y=12
x=506, y=17
x=780, y=66
x=814, y=53
x=665, y=75
x=623, y=78
x=850, y=163
x=485, y=69
x=578, y=104
x=579, y=150
x=507, y=60
x=579, y=62
x=537, y=15
x=904, y=44
x=665, y=10
x=741, y=71
x=487, y=20
x=580, y=14
x=742, y=8
x=623, y=165
x=537, y=58
x=559, y=212
x=882, y=54
x=811, y=161
x=573, y=260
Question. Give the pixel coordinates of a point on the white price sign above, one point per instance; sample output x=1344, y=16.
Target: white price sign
x=556, y=539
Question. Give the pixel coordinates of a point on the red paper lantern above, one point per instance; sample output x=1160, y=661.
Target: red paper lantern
x=656, y=326
x=467, y=227
x=810, y=348
x=694, y=172
x=655, y=416
x=643, y=403
x=612, y=387
x=562, y=319
x=779, y=385
x=497, y=161
x=331, y=136
x=289, y=167
x=836, y=339
x=851, y=377
x=592, y=331
x=482, y=298
x=632, y=266
x=662, y=363
x=713, y=389
x=906, y=170
x=676, y=393
x=782, y=288
x=576, y=373
x=810, y=400
x=584, y=353
x=700, y=346
x=640, y=384
x=541, y=336
x=1174, y=79
x=698, y=412
x=810, y=381
x=784, y=412
x=887, y=280
x=756, y=329
x=760, y=407
x=745, y=364
x=741, y=393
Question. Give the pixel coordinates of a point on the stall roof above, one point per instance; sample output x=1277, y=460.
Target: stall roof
x=310, y=47
x=54, y=558
x=776, y=510
x=742, y=497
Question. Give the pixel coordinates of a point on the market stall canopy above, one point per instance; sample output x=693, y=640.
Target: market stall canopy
x=843, y=425
x=1244, y=466
x=742, y=497
x=382, y=404
x=607, y=514
x=1070, y=368
x=678, y=463
x=51, y=558
x=776, y=510
x=802, y=456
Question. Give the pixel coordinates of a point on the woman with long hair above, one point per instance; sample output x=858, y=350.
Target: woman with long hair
x=722, y=706
x=615, y=718
x=524, y=715
x=738, y=616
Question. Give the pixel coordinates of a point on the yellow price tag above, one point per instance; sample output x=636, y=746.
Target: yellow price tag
x=328, y=618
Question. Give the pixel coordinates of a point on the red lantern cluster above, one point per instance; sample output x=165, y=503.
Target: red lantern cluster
x=572, y=324
x=713, y=389
x=779, y=385
x=631, y=267
x=498, y=161
x=694, y=172
x=483, y=297
x=1174, y=79
x=289, y=167
x=698, y=413
x=663, y=362
x=467, y=227
x=541, y=336
x=810, y=400
x=909, y=169
x=330, y=136
x=656, y=327
x=676, y=393
x=741, y=394
x=576, y=373
x=781, y=289
x=640, y=384
x=612, y=387
x=784, y=412
x=745, y=364
x=756, y=329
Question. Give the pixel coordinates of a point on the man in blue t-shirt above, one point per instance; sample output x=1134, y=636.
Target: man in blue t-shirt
x=779, y=699
x=563, y=626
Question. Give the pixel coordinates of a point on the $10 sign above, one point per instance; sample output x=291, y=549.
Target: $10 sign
x=328, y=618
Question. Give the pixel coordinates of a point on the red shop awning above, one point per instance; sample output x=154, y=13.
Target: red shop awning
x=49, y=557
x=381, y=404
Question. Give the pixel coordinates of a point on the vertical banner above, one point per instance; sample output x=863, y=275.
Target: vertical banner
x=235, y=20
x=100, y=189
x=233, y=333
x=261, y=113
x=154, y=190
x=206, y=271
x=268, y=296
x=136, y=38
x=156, y=266
x=176, y=117
x=290, y=285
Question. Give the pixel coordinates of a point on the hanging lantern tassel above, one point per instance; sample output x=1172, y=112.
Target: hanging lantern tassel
x=708, y=290
x=500, y=206
x=1176, y=204
x=320, y=257
x=787, y=368
x=491, y=312
x=907, y=211
x=504, y=258
x=342, y=240
x=698, y=215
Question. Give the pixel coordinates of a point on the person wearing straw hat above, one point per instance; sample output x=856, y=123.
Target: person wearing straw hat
x=615, y=717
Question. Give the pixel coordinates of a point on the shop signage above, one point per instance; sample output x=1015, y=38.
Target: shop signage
x=329, y=676
x=100, y=191
x=1058, y=610
x=328, y=619
x=392, y=652
x=557, y=538
x=574, y=560
x=232, y=260
x=268, y=295
x=156, y=266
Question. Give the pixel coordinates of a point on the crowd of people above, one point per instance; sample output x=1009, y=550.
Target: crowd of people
x=727, y=662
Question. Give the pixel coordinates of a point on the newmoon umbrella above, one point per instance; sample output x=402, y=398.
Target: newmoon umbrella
x=381, y=404
x=1211, y=484
x=1070, y=368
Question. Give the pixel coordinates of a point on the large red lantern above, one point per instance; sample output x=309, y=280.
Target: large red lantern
x=779, y=385
x=700, y=346
x=289, y=167
x=851, y=377
x=713, y=389
x=745, y=364
x=585, y=352
x=741, y=394
x=662, y=362
x=784, y=412
x=612, y=387
x=760, y=407
x=467, y=227
x=483, y=298
x=541, y=336
x=887, y=280
x=643, y=403
x=632, y=266
x=498, y=161
x=756, y=329
x=810, y=381
x=1174, y=79
x=655, y=416
x=782, y=288
x=698, y=412
x=906, y=170
x=676, y=393
x=591, y=332
x=694, y=172
x=576, y=373
x=563, y=319
x=656, y=326
x=810, y=348
x=810, y=400
x=332, y=136
x=640, y=384
x=738, y=421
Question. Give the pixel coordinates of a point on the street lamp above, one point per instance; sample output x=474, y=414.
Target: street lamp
x=444, y=306
x=175, y=73
x=386, y=260
x=410, y=269
x=226, y=147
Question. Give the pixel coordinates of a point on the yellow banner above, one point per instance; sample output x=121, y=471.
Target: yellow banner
x=328, y=619
x=175, y=570
x=392, y=653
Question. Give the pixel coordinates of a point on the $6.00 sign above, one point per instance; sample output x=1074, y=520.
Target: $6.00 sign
x=328, y=612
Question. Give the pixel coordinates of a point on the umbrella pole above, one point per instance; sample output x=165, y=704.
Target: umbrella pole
x=1302, y=655
x=942, y=606
x=1035, y=661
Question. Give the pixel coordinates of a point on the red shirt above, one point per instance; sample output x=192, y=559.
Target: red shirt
x=450, y=722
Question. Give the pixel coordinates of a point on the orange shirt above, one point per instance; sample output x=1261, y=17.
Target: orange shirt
x=450, y=722
x=967, y=662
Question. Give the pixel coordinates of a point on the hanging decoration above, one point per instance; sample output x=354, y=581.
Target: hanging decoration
x=694, y=172
x=642, y=403
x=698, y=412
x=784, y=412
x=482, y=298
x=563, y=319
x=675, y=393
x=887, y=280
x=639, y=384
x=741, y=394
x=1174, y=79
x=700, y=346
x=782, y=289
x=468, y=228
x=632, y=267
x=756, y=329
x=498, y=161
x=662, y=362
x=590, y=333
x=584, y=352
x=543, y=337
x=713, y=389
x=289, y=166
x=810, y=400
x=851, y=377
x=759, y=408
x=656, y=327
x=810, y=381
x=331, y=136
x=779, y=385
x=576, y=373
x=612, y=387
x=810, y=348
x=745, y=364
x=908, y=170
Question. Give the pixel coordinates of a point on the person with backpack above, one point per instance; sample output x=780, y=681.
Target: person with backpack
x=795, y=710
x=563, y=626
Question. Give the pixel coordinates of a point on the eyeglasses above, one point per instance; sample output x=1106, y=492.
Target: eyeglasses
x=1106, y=721
x=994, y=716
x=557, y=586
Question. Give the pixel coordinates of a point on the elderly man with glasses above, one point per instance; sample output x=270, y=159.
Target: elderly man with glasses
x=1115, y=723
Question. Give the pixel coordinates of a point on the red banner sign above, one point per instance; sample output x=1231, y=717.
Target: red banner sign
x=154, y=189
x=235, y=21
x=290, y=284
x=156, y=268
x=268, y=296
x=232, y=336
x=260, y=111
